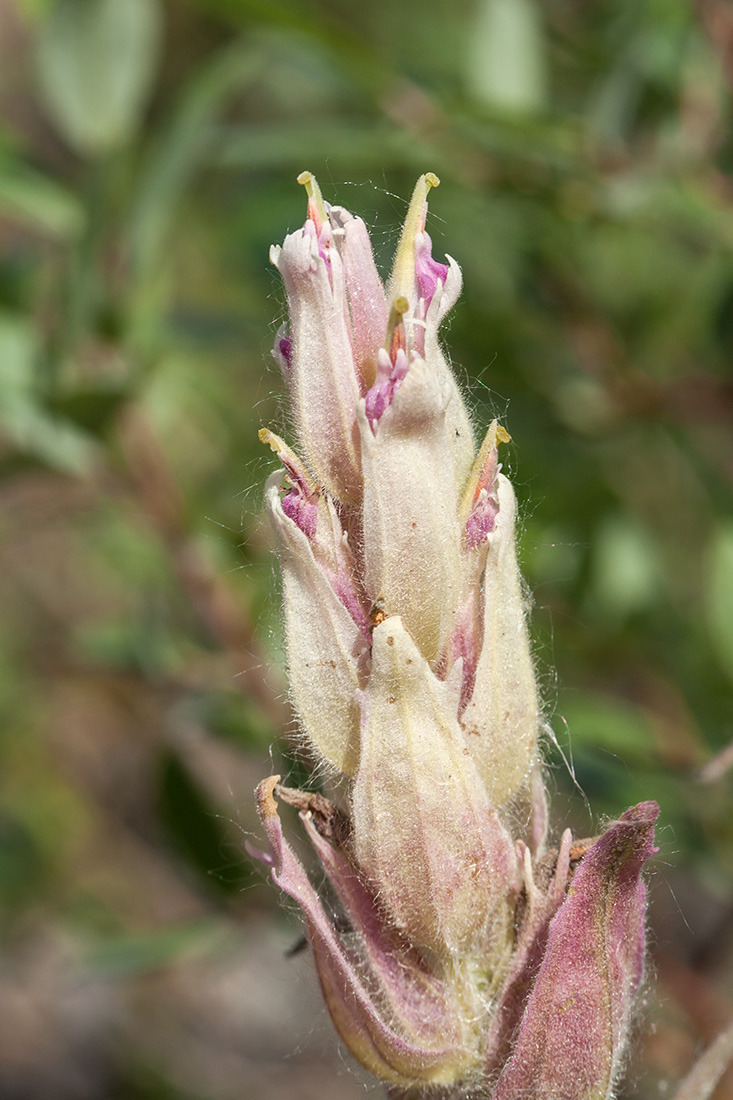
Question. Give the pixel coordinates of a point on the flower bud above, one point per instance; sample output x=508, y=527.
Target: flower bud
x=430, y=290
x=411, y=534
x=501, y=718
x=323, y=379
x=326, y=665
x=425, y=833
x=364, y=290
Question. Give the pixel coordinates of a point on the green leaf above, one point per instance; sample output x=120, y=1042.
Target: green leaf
x=197, y=831
x=97, y=59
x=32, y=9
x=182, y=146
x=625, y=567
x=22, y=866
x=352, y=144
x=92, y=408
x=38, y=202
x=31, y=427
x=611, y=725
x=720, y=596
x=126, y=955
x=505, y=66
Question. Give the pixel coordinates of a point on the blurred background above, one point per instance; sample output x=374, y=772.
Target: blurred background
x=148, y=154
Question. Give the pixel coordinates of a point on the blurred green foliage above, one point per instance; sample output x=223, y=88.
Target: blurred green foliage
x=148, y=154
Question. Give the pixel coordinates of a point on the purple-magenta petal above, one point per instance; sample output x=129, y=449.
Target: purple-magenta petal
x=282, y=351
x=485, y=504
x=390, y=376
x=482, y=520
x=285, y=348
x=303, y=511
x=300, y=501
x=428, y=272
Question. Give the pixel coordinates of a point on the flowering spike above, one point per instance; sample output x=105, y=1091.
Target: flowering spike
x=459, y=956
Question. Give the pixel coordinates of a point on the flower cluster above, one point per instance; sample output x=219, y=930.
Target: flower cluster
x=456, y=952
